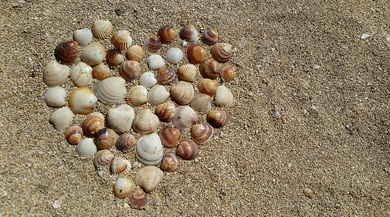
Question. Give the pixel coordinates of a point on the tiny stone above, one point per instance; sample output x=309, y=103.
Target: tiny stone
x=364, y=36
x=308, y=192
x=56, y=204
x=316, y=66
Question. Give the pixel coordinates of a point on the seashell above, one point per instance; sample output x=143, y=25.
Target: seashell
x=169, y=136
x=123, y=187
x=155, y=61
x=165, y=111
x=135, y=53
x=157, y=95
x=208, y=86
x=67, y=52
x=218, y=118
x=201, y=103
x=184, y=117
x=120, y=166
x=223, y=96
x=55, y=97
x=82, y=100
x=182, y=92
x=187, y=149
x=112, y=89
x=189, y=33
x=149, y=149
x=61, y=118
x=228, y=73
x=105, y=138
x=145, y=122
x=114, y=57
x=196, y=53
x=86, y=147
x=130, y=70
x=81, y=74
x=201, y=133
x=210, y=37
x=101, y=71
x=147, y=79
x=166, y=75
x=174, y=55
x=103, y=158
x=73, y=134
x=83, y=36
x=139, y=199
x=170, y=162
x=167, y=34
x=125, y=142
x=153, y=44
x=93, y=122
x=148, y=177
x=137, y=95
x=55, y=74
x=210, y=69
x=121, y=39
x=221, y=52
x=121, y=118
x=102, y=29
x=93, y=54
x=187, y=72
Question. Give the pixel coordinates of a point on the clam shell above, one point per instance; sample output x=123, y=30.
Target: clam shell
x=149, y=177
x=145, y=122
x=182, y=92
x=185, y=117
x=221, y=52
x=139, y=199
x=83, y=36
x=210, y=69
x=201, y=103
x=153, y=44
x=147, y=79
x=55, y=74
x=120, y=166
x=93, y=54
x=61, y=118
x=73, y=134
x=137, y=95
x=167, y=34
x=187, y=72
x=86, y=147
x=155, y=61
x=55, y=97
x=166, y=75
x=169, y=136
x=223, y=96
x=114, y=57
x=130, y=70
x=201, y=133
x=103, y=158
x=121, y=39
x=187, y=149
x=67, y=52
x=170, y=162
x=149, y=149
x=93, y=122
x=210, y=37
x=196, y=53
x=125, y=142
x=165, y=111
x=208, y=86
x=102, y=29
x=106, y=138
x=174, y=55
x=123, y=187
x=112, y=89
x=121, y=118
x=157, y=95
x=82, y=100
x=135, y=53
x=189, y=33
x=218, y=118
x=81, y=74
x=228, y=73
x=101, y=71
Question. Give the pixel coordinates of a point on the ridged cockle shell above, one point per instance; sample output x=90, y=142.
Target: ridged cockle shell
x=121, y=39
x=120, y=166
x=102, y=29
x=187, y=72
x=137, y=95
x=135, y=53
x=67, y=52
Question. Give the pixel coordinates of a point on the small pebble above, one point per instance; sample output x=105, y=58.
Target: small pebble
x=364, y=36
x=308, y=192
x=56, y=204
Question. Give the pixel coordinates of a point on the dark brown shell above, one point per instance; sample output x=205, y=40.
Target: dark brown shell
x=196, y=53
x=228, y=73
x=187, y=149
x=169, y=136
x=153, y=44
x=130, y=70
x=221, y=52
x=114, y=57
x=201, y=133
x=210, y=68
x=218, y=118
x=170, y=162
x=167, y=34
x=210, y=37
x=189, y=33
x=166, y=75
x=105, y=138
x=67, y=52
x=165, y=111
x=125, y=142
x=93, y=122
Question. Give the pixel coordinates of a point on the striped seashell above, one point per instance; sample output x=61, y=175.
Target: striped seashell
x=135, y=53
x=120, y=166
x=165, y=111
x=137, y=95
x=103, y=158
x=105, y=138
x=228, y=73
x=170, y=162
x=101, y=71
x=121, y=39
x=93, y=122
x=153, y=44
x=169, y=136
x=166, y=75
x=210, y=37
x=221, y=52
x=189, y=33
x=146, y=122
x=196, y=53
x=201, y=133
x=149, y=149
x=187, y=149
x=111, y=89
x=130, y=70
x=167, y=34
x=102, y=29
x=74, y=134
x=210, y=68
x=218, y=118
x=114, y=57
x=201, y=103
x=187, y=72
x=184, y=117
x=125, y=142
x=67, y=52
x=182, y=92
x=208, y=86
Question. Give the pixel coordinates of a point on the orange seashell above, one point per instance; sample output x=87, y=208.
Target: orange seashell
x=121, y=39
x=221, y=52
x=125, y=142
x=67, y=52
x=196, y=53
x=74, y=134
x=146, y=122
x=228, y=73
x=165, y=111
x=135, y=53
x=208, y=86
x=210, y=37
x=210, y=68
x=169, y=136
x=187, y=149
x=167, y=34
x=201, y=133
x=103, y=158
x=101, y=71
x=114, y=57
x=153, y=44
x=130, y=70
x=93, y=122
x=182, y=92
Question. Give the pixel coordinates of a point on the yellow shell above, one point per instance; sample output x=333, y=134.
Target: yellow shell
x=187, y=72
x=135, y=53
x=146, y=122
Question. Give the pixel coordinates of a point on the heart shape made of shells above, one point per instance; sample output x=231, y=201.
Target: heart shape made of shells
x=166, y=87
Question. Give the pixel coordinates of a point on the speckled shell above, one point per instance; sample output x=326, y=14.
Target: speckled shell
x=61, y=118
x=55, y=74
x=135, y=53
x=187, y=149
x=105, y=138
x=81, y=74
x=73, y=134
x=149, y=177
x=196, y=53
x=223, y=96
x=153, y=44
x=148, y=79
x=120, y=166
x=55, y=97
x=137, y=95
x=121, y=118
x=189, y=33
x=228, y=73
x=165, y=111
x=114, y=57
x=112, y=89
x=208, y=86
x=139, y=199
x=184, y=117
x=149, y=149
x=210, y=69
x=93, y=122
x=218, y=118
x=210, y=36
x=145, y=122
x=86, y=147
x=123, y=187
x=157, y=95
x=167, y=34
x=170, y=162
x=130, y=70
x=67, y=52
x=101, y=71
x=121, y=39
x=201, y=103
x=182, y=92
x=103, y=158
x=83, y=36
x=82, y=100
x=169, y=136
x=221, y=52
x=201, y=133
x=93, y=54
x=125, y=142
x=102, y=29
x=166, y=75
x=155, y=61
x=187, y=72
x=174, y=55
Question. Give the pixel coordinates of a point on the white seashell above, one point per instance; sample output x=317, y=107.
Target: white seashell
x=148, y=79
x=82, y=100
x=155, y=61
x=146, y=122
x=83, y=36
x=121, y=118
x=149, y=149
x=86, y=147
x=112, y=89
x=149, y=177
x=174, y=55
x=137, y=95
x=81, y=74
x=102, y=29
x=55, y=97
x=55, y=74
x=93, y=54
x=157, y=95
x=201, y=103
x=123, y=187
x=103, y=158
x=223, y=96
x=61, y=118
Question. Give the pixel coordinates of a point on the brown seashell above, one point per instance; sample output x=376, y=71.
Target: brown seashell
x=189, y=33
x=93, y=122
x=106, y=138
x=123, y=187
x=101, y=71
x=102, y=29
x=187, y=149
x=201, y=133
x=135, y=53
x=114, y=57
x=130, y=70
x=221, y=52
x=120, y=166
x=146, y=122
x=185, y=116
x=187, y=72
x=208, y=86
x=67, y=52
x=210, y=37
x=201, y=103
x=74, y=134
x=137, y=95
x=125, y=142
x=170, y=162
x=139, y=199
x=167, y=34
x=121, y=39
x=166, y=75
x=210, y=69
x=165, y=111
x=182, y=92
x=169, y=136
x=153, y=44
x=218, y=118
x=228, y=73
x=196, y=53
x=103, y=158
x=308, y=192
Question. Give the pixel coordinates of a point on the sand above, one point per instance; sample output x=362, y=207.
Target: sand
x=311, y=110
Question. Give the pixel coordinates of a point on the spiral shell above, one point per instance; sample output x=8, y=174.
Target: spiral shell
x=83, y=36
x=81, y=74
x=167, y=34
x=218, y=118
x=201, y=133
x=165, y=111
x=169, y=136
x=221, y=52
x=67, y=52
x=210, y=69
x=187, y=149
x=155, y=61
x=112, y=89
x=189, y=33
x=86, y=147
x=125, y=142
x=201, y=103
x=55, y=97
x=187, y=72
x=103, y=158
x=153, y=44
x=93, y=54
x=73, y=134
x=93, y=122
x=170, y=162
x=121, y=39
x=123, y=187
x=166, y=75
x=102, y=29
x=106, y=138
x=182, y=92
x=137, y=95
x=121, y=118
x=55, y=74
x=228, y=73
x=184, y=117
x=135, y=53
x=114, y=57
x=61, y=118
x=149, y=149
x=149, y=177
x=130, y=70
x=120, y=166
x=208, y=86
x=82, y=100
x=101, y=71
x=157, y=95
x=145, y=122
x=147, y=79
x=196, y=53
x=174, y=55
x=223, y=96
x=210, y=37
x=139, y=199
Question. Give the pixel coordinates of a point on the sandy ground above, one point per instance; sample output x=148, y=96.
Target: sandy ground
x=303, y=60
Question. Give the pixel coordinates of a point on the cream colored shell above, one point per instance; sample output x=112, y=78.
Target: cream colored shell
x=86, y=147
x=157, y=95
x=55, y=74
x=223, y=96
x=61, y=118
x=93, y=54
x=81, y=74
x=149, y=177
x=82, y=100
x=55, y=97
x=121, y=118
x=112, y=89
x=149, y=149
